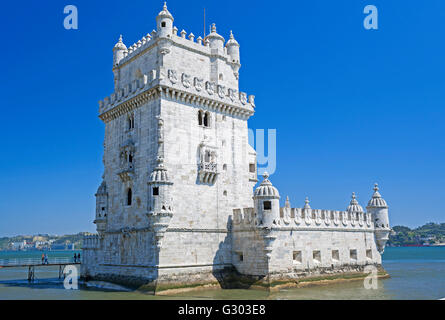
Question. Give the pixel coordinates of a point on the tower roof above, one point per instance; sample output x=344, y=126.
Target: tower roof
x=120, y=45
x=377, y=201
x=354, y=206
x=266, y=189
x=159, y=174
x=102, y=190
x=232, y=41
x=214, y=35
x=165, y=13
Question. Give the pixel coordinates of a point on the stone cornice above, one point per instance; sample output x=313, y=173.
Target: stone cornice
x=142, y=95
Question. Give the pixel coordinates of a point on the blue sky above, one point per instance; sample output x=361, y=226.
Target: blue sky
x=351, y=106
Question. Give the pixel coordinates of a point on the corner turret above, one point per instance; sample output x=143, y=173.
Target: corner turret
x=233, y=51
x=119, y=51
x=378, y=207
x=101, y=208
x=216, y=41
x=267, y=202
x=164, y=23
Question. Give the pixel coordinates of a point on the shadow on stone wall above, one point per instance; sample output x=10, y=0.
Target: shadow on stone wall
x=228, y=276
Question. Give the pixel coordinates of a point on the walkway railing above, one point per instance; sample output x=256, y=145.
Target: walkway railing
x=35, y=261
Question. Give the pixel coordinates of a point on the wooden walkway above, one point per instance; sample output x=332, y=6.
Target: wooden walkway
x=31, y=264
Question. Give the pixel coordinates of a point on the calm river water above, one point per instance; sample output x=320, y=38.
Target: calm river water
x=416, y=273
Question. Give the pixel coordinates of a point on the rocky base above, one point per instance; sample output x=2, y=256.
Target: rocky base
x=229, y=278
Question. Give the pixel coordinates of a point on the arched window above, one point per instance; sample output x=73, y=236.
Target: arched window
x=129, y=197
x=207, y=156
x=131, y=122
x=200, y=117
x=163, y=24
x=207, y=119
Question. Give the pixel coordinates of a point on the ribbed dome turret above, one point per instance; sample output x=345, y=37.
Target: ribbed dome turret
x=377, y=201
x=266, y=189
x=232, y=41
x=102, y=190
x=120, y=45
x=165, y=13
x=215, y=39
x=159, y=174
x=354, y=205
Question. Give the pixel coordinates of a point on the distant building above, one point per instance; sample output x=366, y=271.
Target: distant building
x=17, y=245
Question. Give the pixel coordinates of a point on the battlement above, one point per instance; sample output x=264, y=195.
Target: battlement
x=149, y=41
x=90, y=242
x=247, y=218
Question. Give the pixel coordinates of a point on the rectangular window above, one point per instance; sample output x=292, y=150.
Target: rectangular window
x=353, y=254
x=267, y=205
x=156, y=191
x=252, y=168
x=297, y=257
x=316, y=256
x=369, y=254
x=335, y=255
x=240, y=256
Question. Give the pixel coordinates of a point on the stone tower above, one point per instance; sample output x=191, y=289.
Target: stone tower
x=176, y=159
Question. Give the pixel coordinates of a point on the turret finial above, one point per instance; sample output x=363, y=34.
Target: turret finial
x=306, y=203
x=265, y=175
x=376, y=187
x=213, y=27
x=231, y=34
x=165, y=5
x=287, y=203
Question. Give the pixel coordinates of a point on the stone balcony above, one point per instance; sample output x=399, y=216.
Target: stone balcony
x=127, y=172
x=208, y=172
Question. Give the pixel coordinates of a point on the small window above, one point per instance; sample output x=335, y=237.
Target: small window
x=156, y=191
x=335, y=255
x=369, y=254
x=129, y=197
x=225, y=167
x=267, y=205
x=316, y=256
x=103, y=208
x=240, y=256
x=200, y=117
x=130, y=158
x=221, y=76
x=353, y=254
x=207, y=119
x=225, y=193
x=297, y=257
x=130, y=122
x=163, y=24
x=252, y=168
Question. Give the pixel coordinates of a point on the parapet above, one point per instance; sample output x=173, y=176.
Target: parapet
x=90, y=242
x=306, y=218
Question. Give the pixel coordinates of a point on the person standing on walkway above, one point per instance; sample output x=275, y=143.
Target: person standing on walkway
x=43, y=258
x=75, y=258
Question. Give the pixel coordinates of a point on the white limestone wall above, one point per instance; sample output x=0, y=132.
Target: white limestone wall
x=145, y=143
x=316, y=249
x=199, y=205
